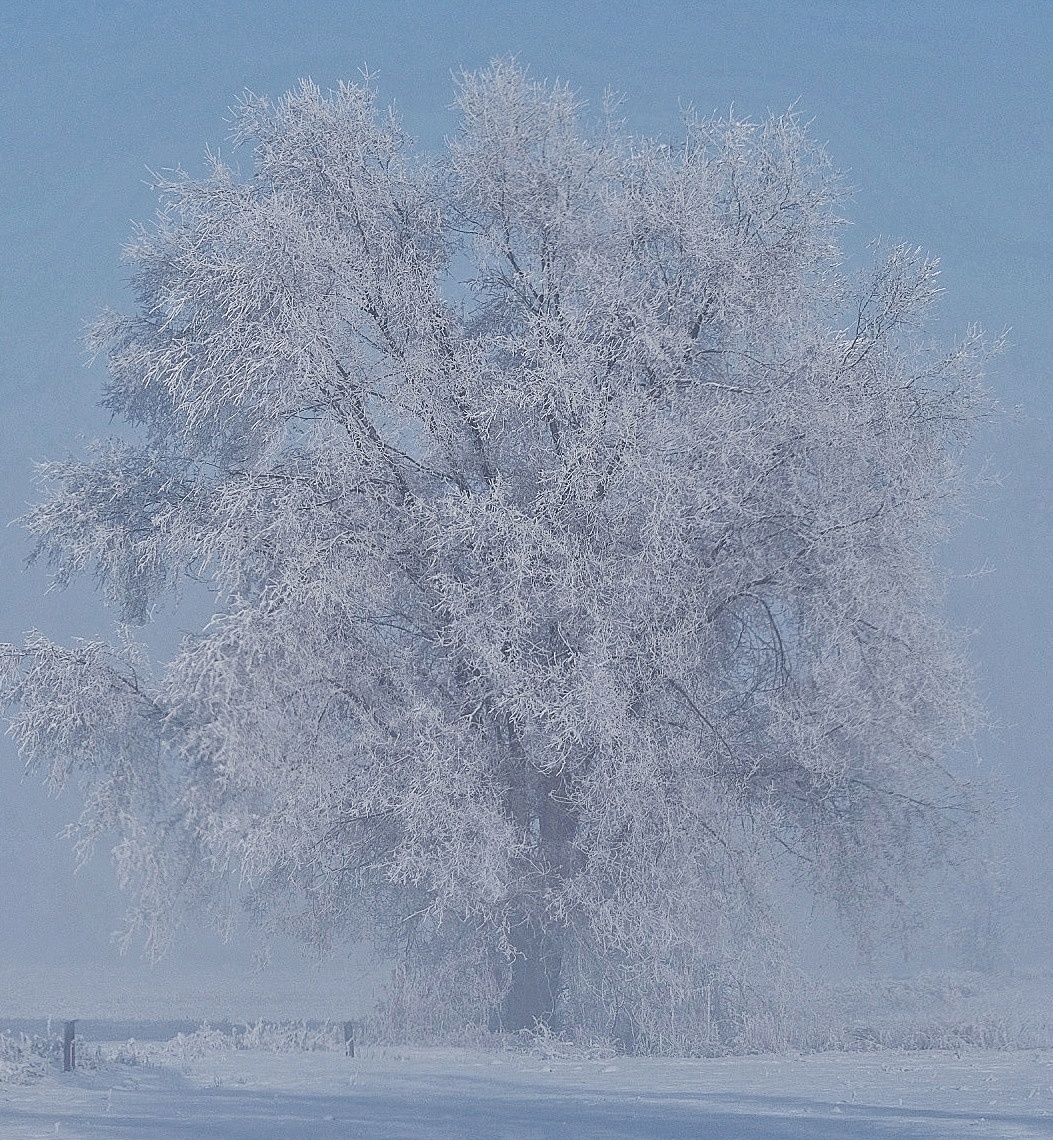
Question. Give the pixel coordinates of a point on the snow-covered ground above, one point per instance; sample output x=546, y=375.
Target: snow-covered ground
x=199, y=1085
x=179, y=1091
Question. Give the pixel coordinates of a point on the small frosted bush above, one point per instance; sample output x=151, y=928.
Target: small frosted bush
x=23, y=1059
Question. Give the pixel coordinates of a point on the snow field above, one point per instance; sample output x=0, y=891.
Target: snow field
x=180, y=1090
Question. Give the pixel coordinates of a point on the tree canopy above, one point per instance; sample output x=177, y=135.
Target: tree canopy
x=567, y=513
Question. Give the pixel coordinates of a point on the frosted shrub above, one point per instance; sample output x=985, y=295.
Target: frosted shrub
x=262, y=1036
x=24, y=1060
x=290, y=1037
x=202, y=1041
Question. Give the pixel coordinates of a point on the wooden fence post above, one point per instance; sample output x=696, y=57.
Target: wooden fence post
x=69, y=1047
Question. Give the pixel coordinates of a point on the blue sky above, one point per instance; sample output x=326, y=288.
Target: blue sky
x=938, y=111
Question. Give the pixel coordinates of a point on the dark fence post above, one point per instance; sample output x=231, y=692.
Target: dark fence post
x=69, y=1047
x=349, y=1038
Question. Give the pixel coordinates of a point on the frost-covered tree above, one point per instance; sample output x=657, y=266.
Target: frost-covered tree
x=566, y=512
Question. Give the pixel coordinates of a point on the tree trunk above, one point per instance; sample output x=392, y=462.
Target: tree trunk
x=536, y=970
x=533, y=991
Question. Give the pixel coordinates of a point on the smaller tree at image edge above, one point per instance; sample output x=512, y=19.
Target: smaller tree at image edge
x=566, y=513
